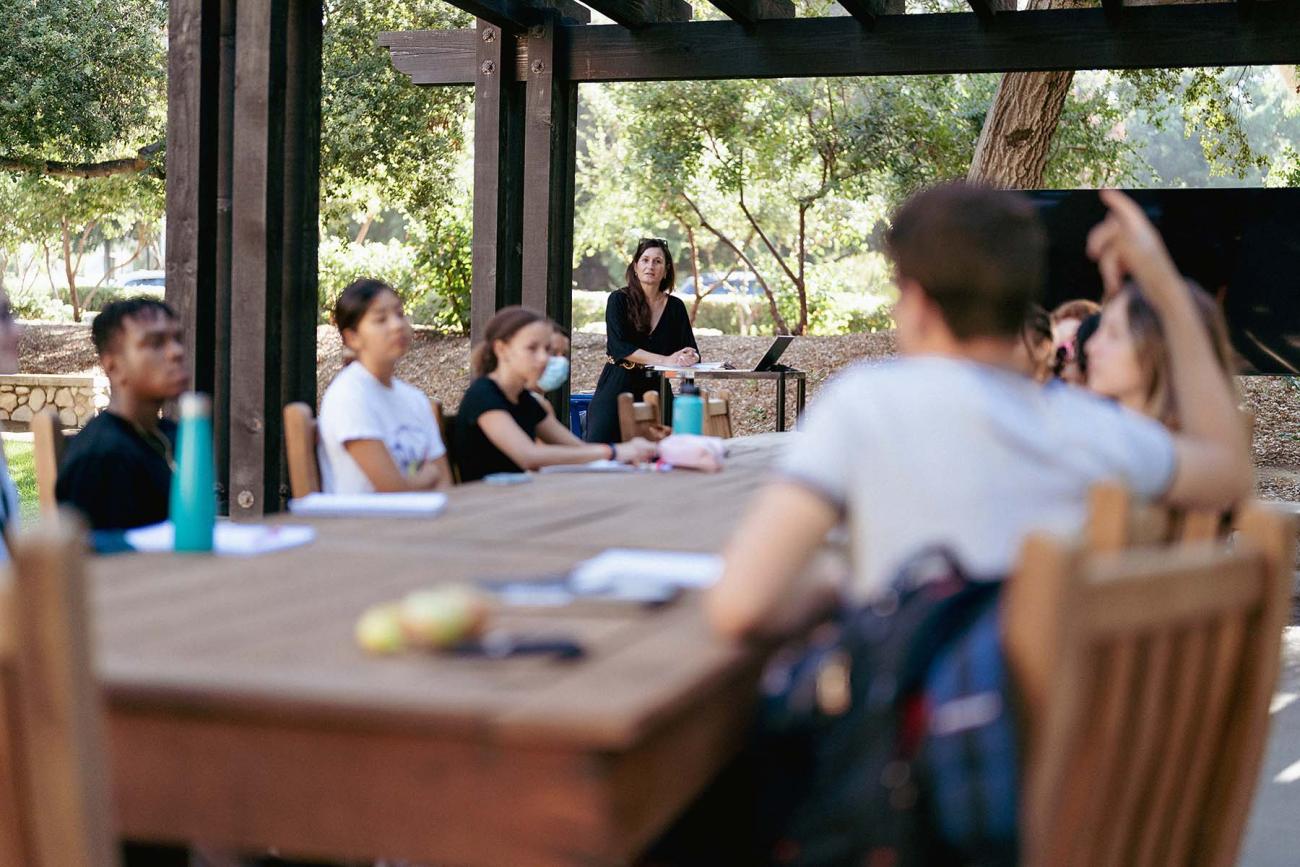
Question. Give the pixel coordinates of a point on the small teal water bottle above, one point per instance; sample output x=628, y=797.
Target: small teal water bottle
x=193, y=504
x=688, y=410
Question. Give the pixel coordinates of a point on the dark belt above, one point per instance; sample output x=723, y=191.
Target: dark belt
x=625, y=364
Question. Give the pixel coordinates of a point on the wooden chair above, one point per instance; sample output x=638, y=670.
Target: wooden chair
x=717, y=413
x=642, y=419
x=300, y=439
x=48, y=445
x=54, y=786
x=1117, y=521
x=447, y=430
x=1145, y=677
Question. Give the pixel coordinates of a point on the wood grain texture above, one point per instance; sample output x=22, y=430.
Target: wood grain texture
x=750, y=11
x=1146, y=675
x=64, y=781
x=917, y=44
x=229, y=729
x=300, y=438
x=639, y=13
x=47, y=451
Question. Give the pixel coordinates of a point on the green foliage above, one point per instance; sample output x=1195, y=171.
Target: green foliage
x=80, y=79
x=383, y=141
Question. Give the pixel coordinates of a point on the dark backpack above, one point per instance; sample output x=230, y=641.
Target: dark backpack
x=846, y=774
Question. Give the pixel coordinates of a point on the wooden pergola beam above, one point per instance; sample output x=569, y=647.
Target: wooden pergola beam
x=510, y=14
x=639, y=13
x=1152, y=36
x=987, y=9
x=866, y=12
x=1114, y=9
x=751, y=11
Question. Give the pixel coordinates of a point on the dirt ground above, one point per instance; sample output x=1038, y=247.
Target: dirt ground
x=439, y=364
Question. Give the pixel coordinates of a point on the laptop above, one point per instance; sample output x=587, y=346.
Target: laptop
x=768, y=361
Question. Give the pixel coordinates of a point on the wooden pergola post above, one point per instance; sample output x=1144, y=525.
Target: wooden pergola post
x=498, y=161
x=242, y=205
x=550, y=154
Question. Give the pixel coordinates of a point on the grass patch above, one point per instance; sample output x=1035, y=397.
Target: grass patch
x=22, y=469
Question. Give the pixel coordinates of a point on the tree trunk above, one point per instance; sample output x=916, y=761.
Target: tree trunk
x=69, y=272
x=1018, y=129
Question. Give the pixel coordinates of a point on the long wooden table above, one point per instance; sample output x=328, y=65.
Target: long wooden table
x=242, y=714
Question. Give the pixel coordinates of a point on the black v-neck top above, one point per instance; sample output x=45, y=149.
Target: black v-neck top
x=671, y=333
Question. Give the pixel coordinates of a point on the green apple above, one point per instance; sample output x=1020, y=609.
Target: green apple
x=443, y=616
x=380, y=629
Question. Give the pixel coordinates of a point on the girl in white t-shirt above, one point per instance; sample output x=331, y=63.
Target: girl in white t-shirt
x=377, y=433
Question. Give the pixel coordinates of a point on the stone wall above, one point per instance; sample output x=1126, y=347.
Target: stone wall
x=75, y=398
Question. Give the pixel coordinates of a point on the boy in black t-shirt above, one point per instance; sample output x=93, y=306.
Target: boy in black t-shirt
x=117, y=471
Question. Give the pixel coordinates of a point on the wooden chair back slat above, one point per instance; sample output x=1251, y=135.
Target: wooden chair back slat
x=48, y=445
x=1232, y=789
x=1191, y=649
x=56, y=798
x=640, y=418
x=300, y=439
x=1116, y=522
x=1145, y=678
x=717, y=413
x=1146, y=726
x=447, y=430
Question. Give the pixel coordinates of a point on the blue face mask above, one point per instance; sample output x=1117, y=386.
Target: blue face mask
x=555, y=375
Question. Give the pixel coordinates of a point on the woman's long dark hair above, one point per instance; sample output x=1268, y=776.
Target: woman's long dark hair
x=638, y=309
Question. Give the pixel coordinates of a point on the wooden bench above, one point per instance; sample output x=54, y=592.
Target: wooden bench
x=54, y=800
x=1145, y=674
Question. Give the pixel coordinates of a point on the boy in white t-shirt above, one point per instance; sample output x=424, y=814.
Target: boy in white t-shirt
x=377, y=433
x=951, y=444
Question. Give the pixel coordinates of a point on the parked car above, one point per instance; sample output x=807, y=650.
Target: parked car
x=737, y=283
x=148, y=281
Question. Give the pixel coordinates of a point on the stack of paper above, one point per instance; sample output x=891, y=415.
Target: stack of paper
x=620, y=567
x=410, y=505
x=236, y=540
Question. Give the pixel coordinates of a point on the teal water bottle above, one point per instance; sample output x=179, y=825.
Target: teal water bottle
x=688, y=410
x=193, y=499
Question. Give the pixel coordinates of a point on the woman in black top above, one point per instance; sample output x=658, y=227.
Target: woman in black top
x=501, y=427
x=644, y=324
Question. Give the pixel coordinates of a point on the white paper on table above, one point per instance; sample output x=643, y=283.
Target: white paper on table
x=703, y=365
x=228, y=539
x=619, y=567
x=409, y=504
x=604, y=466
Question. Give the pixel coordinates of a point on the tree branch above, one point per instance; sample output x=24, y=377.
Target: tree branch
x=777, y=318
x=142, y=163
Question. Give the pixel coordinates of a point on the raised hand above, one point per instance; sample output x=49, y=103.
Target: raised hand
x=1126, y=244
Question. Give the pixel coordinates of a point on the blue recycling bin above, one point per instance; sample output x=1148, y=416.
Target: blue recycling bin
x=578, y=404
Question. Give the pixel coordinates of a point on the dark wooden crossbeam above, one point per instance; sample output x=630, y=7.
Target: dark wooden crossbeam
x=865, y=11
x=987, y=9
x=1114, y=9
x=750, y=11
x=1245, y=7
x=510, y=14
x=639, y=13
x=1152, y=36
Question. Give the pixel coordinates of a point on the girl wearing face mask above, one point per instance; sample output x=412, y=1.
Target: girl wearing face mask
x=500, y=426
x=377, y=433
x=644, y=325
x=1128, y=360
